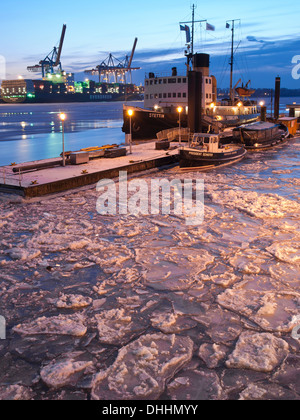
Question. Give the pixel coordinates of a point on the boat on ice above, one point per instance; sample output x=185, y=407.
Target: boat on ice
x=206, y=152
x=260, y=135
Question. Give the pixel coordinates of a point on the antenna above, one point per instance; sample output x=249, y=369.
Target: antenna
x=190, y=54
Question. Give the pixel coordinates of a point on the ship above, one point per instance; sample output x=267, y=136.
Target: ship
x=164, y=95
x=261, y=135
x=207, y=152
x=59, y=86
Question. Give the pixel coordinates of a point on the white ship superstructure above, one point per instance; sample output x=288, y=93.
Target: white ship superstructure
x=170, y=92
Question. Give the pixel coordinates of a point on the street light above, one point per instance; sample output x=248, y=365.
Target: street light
x=130, y=113
x=179, y=110
x=240, y=104
x=63, y=117
x=212, y=107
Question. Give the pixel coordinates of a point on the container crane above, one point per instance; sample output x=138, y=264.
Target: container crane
x=52, y=60
x=113, y=67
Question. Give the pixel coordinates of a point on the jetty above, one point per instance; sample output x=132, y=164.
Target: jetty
x=46, y=177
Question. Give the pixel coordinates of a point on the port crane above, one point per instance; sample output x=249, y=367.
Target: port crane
x=52, y=60
x=115, y=70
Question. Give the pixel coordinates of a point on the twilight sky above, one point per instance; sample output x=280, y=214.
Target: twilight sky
x=268, y=36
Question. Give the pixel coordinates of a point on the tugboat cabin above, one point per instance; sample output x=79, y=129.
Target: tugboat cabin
x=208, y=142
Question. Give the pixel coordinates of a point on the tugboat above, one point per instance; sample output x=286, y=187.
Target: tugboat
x=205, y=152
x=260, y=135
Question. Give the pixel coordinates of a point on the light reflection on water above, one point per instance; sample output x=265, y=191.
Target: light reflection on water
x=33, y=131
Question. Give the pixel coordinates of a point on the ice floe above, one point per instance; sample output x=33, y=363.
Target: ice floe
x=118, y=326
x=15, y=393
x=262, y=206
x=65, y=373
x=58, y=325
x=272, y=311
x=143, y=367
x=260, y=352
x=196, y=385
x=166, y=268
x=72, y=302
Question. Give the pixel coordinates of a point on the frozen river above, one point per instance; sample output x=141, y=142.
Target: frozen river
x=144, y=307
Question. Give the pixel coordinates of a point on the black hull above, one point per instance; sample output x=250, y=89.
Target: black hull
x=265, y=146
x=195, y=159
x=146, y=124
x=71, y=98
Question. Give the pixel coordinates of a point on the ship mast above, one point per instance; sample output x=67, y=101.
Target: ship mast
x=193, y=28
x=190, y=45
x=232, y=57
x=231, y=65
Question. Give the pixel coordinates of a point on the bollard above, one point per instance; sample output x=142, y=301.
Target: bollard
x=263, y=113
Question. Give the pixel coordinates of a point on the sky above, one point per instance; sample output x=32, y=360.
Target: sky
x=267, y=37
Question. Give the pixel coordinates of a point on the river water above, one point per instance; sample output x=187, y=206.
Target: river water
x=33, y=131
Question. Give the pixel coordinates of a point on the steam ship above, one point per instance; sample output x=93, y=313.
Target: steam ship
x=163, y=97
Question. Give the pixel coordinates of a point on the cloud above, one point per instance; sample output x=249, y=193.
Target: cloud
x=260, y=41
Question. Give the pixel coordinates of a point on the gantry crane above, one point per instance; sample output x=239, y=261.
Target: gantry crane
x=52, y=60
x=113, y=68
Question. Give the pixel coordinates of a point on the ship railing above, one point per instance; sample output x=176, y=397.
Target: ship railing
x=7, y=177
x=174, y=134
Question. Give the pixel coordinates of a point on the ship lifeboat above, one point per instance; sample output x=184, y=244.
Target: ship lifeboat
x=245, y=92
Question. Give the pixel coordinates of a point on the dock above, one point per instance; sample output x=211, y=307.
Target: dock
x=50, y=180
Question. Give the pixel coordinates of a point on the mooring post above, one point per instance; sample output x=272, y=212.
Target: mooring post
x=277, y=98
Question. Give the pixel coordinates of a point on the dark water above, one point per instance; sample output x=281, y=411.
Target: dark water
x=34, y=131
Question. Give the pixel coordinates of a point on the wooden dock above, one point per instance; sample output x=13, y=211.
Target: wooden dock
x=57, y=179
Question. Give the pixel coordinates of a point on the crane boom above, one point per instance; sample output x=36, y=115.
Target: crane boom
x=132, y=53
x=62, y=38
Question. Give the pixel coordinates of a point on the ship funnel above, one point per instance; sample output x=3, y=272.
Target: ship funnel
x=201, y=63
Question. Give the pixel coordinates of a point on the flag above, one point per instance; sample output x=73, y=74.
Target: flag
x=187, y=30
x=210, y=27
x=227, y=25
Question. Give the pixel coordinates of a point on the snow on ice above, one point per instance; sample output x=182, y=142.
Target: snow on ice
x=145, y=307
